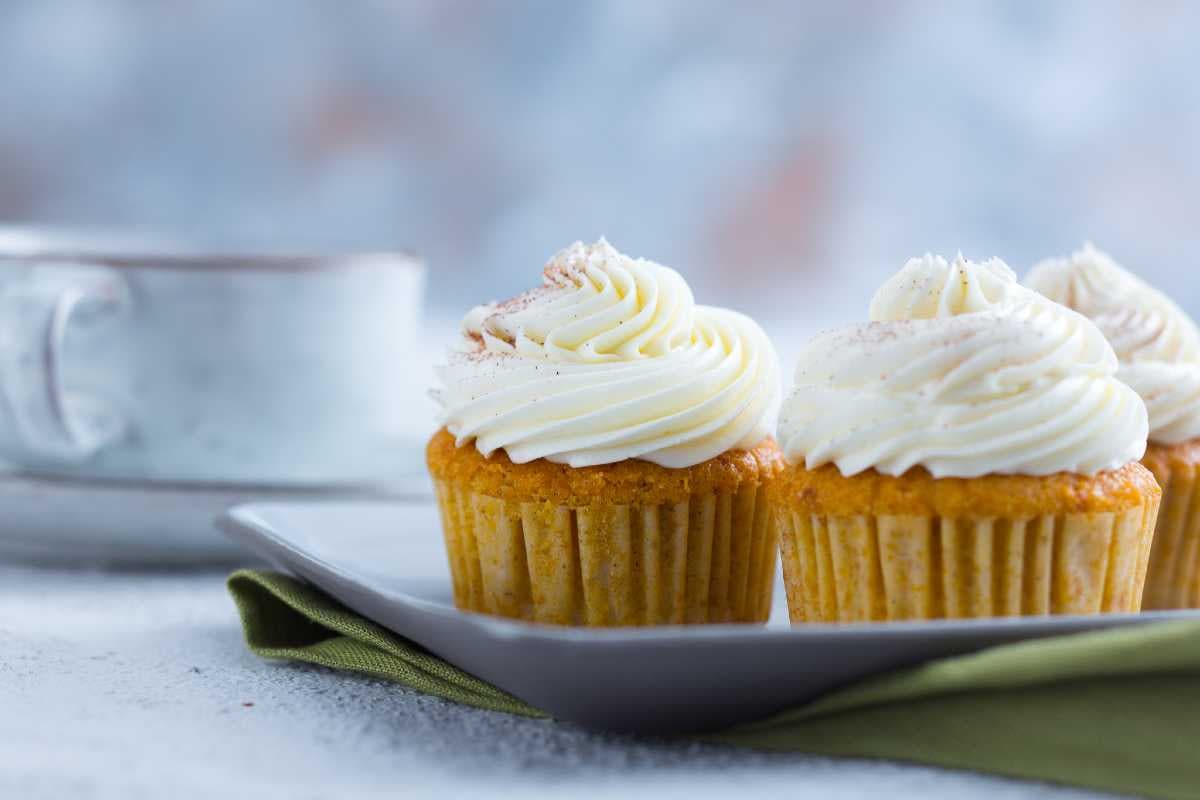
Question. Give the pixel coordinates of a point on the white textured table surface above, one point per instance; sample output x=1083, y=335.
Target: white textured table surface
x=129, y=685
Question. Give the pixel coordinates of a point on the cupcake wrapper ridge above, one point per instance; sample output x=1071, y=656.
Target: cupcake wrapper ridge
x=1173, y=579
x=896, y=567
x=710, y=558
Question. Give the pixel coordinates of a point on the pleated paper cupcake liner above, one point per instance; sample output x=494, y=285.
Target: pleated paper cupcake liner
x=1173, y=578
x=708, y=559
x=892, y=567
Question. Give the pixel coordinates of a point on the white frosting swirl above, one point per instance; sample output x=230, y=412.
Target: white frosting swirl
x=965, y=372
x=1157, y=343
x=610, y=359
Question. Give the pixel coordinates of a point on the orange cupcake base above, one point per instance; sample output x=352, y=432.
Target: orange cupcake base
x=631, y=543
x=873, y=547
x=1173, y=580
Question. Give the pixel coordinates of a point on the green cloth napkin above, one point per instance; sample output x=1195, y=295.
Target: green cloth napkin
x=1117, y=710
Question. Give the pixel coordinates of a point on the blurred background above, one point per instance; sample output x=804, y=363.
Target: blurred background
x=785, y=156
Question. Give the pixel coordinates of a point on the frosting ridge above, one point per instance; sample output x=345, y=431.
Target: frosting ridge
x=1157, y=343
x=965, y=372
x=609, y=359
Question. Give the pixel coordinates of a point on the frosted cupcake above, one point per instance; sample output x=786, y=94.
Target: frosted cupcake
x=967, y=453
x=605, y=451
x=1159, y=350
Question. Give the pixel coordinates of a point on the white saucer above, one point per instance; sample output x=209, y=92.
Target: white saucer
x=386, y=561
x=56, y=519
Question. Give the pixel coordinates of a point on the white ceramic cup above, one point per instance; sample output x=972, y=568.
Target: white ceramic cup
x=217, y=368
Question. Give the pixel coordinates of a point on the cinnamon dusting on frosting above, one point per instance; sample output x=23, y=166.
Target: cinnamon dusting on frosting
x=638, y=369
x=1157, y=343
x=964, y=372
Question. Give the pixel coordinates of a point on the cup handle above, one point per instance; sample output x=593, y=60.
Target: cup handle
x=46, y=423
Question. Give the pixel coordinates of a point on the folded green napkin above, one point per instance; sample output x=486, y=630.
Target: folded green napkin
x=1117, y=710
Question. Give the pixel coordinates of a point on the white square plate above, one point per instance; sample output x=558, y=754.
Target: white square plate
x=386, y=561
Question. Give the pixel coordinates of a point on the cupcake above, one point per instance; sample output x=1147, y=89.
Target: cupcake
x=1158, y=346
x=605, y=451
x=968, y=452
